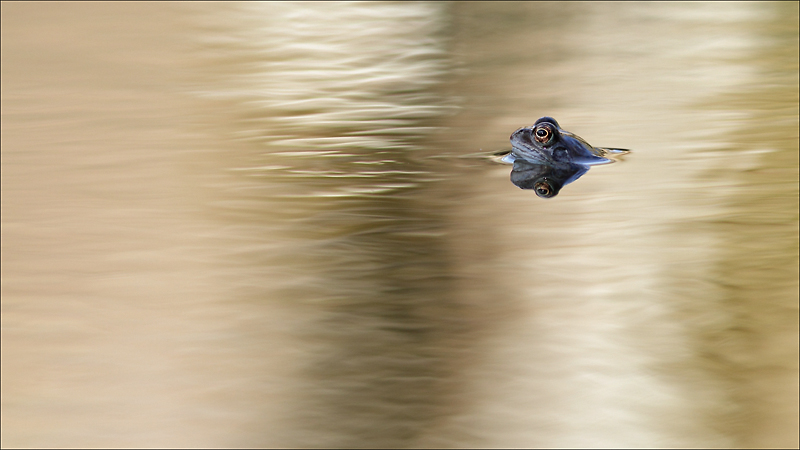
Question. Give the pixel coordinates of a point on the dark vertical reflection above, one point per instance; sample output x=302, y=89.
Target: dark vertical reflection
x=332, y=112
x=752, y=346
x=385, y=369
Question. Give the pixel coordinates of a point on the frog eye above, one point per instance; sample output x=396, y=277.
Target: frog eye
x=543, y=189
x=543, y=133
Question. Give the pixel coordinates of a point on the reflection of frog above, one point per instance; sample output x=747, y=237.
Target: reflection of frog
x=546, y=157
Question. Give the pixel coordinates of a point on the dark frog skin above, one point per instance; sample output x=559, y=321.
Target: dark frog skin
x=546, y=158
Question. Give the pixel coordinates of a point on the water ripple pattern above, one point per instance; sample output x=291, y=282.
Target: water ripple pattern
x=337, y=91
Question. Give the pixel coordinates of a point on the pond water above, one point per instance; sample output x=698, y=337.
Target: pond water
x=283, y=225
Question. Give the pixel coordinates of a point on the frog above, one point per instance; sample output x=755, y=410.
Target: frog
x=546, y=157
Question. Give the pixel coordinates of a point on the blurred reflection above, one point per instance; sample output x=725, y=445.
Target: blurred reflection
x=332, y=114
x=546, y=158
x=753, y=345
x=261, y=225
x=545, y=179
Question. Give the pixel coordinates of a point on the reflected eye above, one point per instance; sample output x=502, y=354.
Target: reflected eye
x=543, y=189
x=543, y=133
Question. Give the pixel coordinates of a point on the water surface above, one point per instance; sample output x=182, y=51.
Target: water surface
x=278, y=224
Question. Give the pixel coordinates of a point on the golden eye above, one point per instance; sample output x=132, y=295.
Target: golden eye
x=543, y=133
x=543, y=189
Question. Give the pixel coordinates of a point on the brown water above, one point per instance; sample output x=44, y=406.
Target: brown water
x=273, y=225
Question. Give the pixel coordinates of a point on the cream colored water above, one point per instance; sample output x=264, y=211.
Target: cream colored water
x=270, y=225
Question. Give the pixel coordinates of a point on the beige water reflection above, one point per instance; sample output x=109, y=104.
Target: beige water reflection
x=263, y=225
